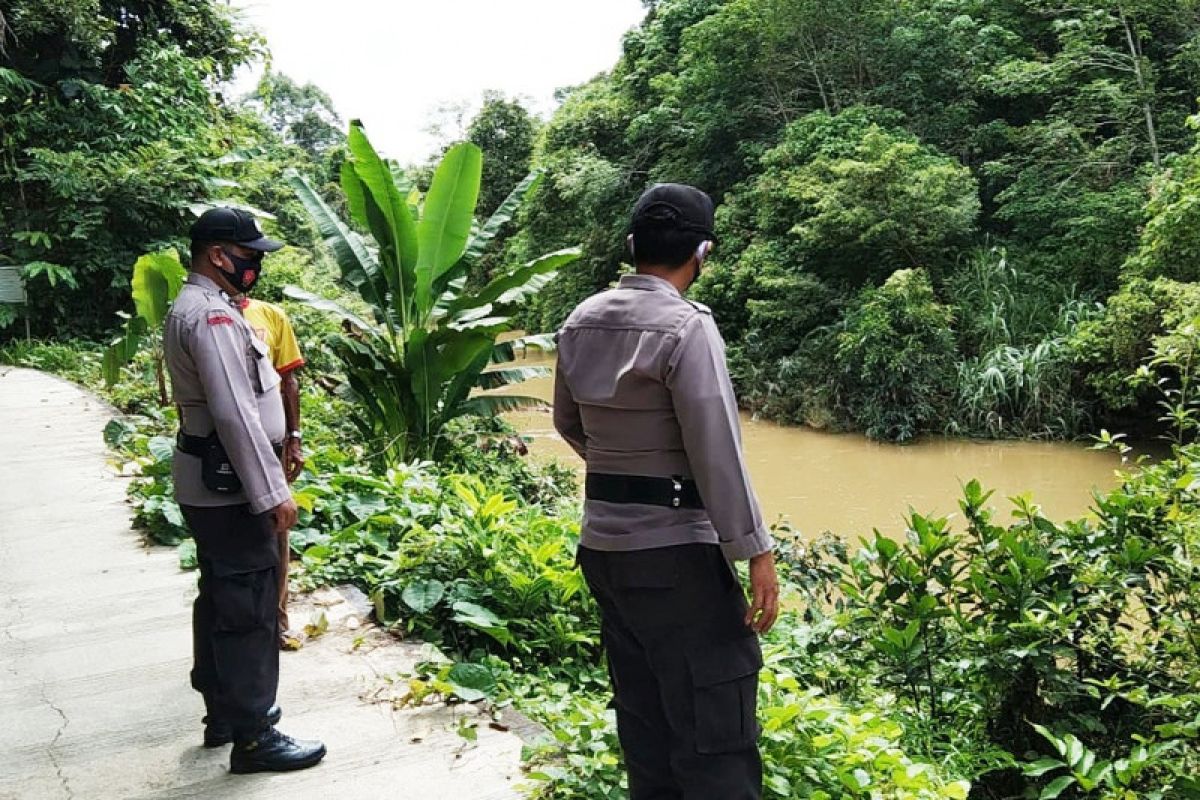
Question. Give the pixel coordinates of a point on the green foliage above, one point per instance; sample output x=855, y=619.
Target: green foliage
x=852, y=201
x=1170, y=241
x=157, y=279
x=110, y=131
x=302, y=115
x=504, y=131
x=412, y=369
x=1110, y=348
x=1000, y=629
x=895, y=356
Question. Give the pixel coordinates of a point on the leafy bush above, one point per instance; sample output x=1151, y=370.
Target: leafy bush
x=1109, y=348
x=1076, y=627
x=412, y=369
x=895, y=358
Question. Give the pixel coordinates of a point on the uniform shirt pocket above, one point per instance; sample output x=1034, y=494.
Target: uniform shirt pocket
x=262, y=371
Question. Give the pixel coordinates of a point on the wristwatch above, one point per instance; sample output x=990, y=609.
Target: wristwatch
x=296, y=435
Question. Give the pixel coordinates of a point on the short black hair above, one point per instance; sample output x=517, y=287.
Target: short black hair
x=197, y=248
x=664, y=245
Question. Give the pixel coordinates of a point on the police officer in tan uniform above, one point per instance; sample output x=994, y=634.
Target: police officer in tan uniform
x=230, y=485
x=643, y=395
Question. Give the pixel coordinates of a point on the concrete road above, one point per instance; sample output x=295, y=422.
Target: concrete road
x=95, y=651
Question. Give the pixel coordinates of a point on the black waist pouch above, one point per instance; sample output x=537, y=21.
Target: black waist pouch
x=216, y=470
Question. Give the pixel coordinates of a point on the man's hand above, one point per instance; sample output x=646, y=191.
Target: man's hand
x=764, y=588
x=284, y=515
x=293, y=459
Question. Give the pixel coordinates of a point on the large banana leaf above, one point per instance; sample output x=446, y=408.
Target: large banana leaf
x=446, y=219
x=157, y=278
x=515, y=286
x=358, y=264
x=495, y=378
x=122, y=349
x=489, y=405
x=507, y=210
x=379, y=205
x=322, y=304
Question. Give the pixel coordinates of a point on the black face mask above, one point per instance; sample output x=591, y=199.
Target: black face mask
x=245, y=271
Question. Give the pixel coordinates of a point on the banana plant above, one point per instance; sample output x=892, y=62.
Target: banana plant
x=430, y=343
x=157, y=279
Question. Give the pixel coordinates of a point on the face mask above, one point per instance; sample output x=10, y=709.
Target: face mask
x=245, y=271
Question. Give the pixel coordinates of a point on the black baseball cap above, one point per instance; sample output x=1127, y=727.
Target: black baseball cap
x=675, y=205
x=232, y=225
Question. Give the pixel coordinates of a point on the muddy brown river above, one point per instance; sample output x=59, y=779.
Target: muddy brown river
x=848, y=484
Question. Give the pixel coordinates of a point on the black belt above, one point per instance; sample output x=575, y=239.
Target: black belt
x=669, y=492
x=194, y=445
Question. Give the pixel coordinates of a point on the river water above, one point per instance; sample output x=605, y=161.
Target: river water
x=850, y=485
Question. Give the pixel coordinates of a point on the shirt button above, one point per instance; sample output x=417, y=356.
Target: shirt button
x=675, y=502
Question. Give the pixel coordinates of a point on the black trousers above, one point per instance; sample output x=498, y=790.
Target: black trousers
x=235, y=617
x=684, y=669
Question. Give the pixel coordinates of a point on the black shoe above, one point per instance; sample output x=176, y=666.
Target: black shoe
x=271, y=751
x=218, y=732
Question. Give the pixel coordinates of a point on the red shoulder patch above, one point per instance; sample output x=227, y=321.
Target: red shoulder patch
x=219, y=318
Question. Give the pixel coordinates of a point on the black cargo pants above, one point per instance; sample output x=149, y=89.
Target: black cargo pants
x=684, y=668
x=235, y=617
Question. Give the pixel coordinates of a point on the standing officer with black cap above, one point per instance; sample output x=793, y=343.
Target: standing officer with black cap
x=230, y=485
x=643, y=395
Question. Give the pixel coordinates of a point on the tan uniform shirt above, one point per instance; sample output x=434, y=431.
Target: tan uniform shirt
x=222, y=379
x=642, y=389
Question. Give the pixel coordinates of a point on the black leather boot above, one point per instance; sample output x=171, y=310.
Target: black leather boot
x=271, y=751
x=218, y=731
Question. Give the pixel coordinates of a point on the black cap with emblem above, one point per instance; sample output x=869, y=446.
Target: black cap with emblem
x=675, y=205
x=232, y=225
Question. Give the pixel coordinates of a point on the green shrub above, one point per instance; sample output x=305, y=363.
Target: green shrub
x=895, y=358
x=1109, y=348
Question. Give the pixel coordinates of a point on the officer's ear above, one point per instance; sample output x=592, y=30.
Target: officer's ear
x=215, y=253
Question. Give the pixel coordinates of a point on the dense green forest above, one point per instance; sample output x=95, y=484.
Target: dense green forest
x=1028, y=164
x=979, y=217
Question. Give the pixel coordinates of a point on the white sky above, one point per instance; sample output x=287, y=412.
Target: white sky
x=392, y=64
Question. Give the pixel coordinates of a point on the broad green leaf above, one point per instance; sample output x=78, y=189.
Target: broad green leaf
x=157, y=278
x=421, y=596
x=495, y=378
x=358, y=265
x=472, y=682
x=447, y=217
x=502, y=215
x=1042, y=766
x=161, y=448
x=491, y=405
x=322, y=304
x=387, y=215
x=187, y=554
x=518, y=284
x=1056, y=787
x=474, y=614
x=117, y=432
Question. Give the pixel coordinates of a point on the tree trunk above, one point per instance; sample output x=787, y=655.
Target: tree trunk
x=1135, y=56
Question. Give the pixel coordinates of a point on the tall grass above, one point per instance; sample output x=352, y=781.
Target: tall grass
x=1016, y=377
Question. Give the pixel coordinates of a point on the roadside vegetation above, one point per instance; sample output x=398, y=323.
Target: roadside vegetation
x=937, y=216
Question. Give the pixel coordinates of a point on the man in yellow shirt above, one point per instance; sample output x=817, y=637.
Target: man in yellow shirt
x=271, y=324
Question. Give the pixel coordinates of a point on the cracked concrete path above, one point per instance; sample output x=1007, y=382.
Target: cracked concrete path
x=95, y=650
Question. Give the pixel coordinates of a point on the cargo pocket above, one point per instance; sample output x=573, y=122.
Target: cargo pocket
x=725, y=681
x=243, y=600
